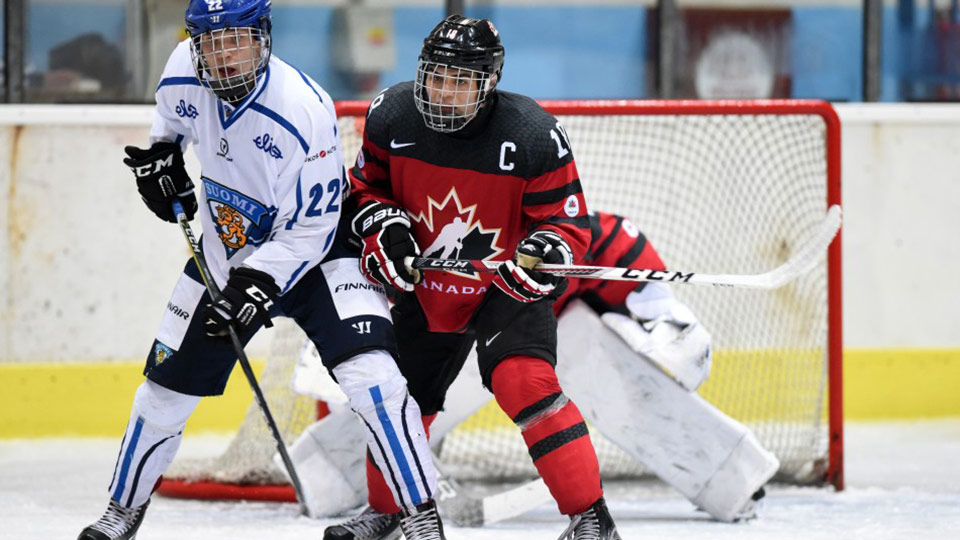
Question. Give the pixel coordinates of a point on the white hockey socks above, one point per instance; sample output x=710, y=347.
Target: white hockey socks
x=395, y=434
x=151, y=441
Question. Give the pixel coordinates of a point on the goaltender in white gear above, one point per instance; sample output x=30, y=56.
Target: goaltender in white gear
x=636, y=381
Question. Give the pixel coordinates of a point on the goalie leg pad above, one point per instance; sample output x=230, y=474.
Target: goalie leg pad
x=728, y=493
x=527, y=390
x=153, y=436
x=378, y=394
x=329, y=458
x=710, y=458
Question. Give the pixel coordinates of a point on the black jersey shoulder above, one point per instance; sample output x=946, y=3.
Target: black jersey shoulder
x=541, y=143
x=393, y=115
x=518, y=137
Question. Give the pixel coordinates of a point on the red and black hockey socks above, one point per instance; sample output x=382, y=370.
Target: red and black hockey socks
x=527, y=390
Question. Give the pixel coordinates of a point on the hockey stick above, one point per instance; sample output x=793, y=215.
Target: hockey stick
x=466, y=510
x=799, y=263
x=214, y=291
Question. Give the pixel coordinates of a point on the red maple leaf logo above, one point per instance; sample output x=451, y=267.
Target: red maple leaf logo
x=455, y=232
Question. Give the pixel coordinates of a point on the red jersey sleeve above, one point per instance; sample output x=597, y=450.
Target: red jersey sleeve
x=617, y=242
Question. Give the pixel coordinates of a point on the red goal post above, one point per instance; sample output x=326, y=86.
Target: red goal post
x=613, y=141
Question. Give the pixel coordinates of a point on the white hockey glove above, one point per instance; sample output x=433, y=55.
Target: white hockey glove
x=519, y=280
x=664, y=331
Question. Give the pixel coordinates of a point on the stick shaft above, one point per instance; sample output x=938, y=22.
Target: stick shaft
x=214, y=291
x=799, y=263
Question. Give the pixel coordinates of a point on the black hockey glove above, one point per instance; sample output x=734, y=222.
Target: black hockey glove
x=387, y=241
x=245, y=301
x=161, y=178
x=518, y=278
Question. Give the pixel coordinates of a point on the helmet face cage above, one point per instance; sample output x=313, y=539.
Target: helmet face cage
x=228, y=60
x=448, y=96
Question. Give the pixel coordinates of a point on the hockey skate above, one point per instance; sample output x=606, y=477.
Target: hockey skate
x=368, y=525
x=594, y=524
x=424, y=525
x=117, y=523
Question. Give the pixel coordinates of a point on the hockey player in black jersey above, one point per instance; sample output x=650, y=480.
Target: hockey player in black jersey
x=451, y=166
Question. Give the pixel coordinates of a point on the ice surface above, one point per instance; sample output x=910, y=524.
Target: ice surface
x=903, y=482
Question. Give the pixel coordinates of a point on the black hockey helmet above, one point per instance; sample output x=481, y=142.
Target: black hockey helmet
x=464, y=49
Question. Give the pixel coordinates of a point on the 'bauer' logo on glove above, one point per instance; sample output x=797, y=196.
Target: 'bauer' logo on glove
x=387, y=241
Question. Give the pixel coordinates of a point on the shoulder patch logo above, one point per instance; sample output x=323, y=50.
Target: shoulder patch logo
x=160, y=353
x=186, y=110
x=572, y=206
x=266, y=143
x=239, y=220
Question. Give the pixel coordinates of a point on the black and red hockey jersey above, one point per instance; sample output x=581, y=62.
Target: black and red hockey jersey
x=470, y=195
x=615, y=241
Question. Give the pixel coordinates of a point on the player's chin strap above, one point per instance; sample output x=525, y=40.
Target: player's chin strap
x=801, y=262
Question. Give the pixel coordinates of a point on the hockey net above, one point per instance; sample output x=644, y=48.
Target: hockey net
x=720, y=187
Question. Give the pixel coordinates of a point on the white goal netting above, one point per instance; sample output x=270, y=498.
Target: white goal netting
x=736, y=189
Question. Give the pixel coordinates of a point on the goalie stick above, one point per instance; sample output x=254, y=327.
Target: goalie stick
x=241, y=356
x=799, y=263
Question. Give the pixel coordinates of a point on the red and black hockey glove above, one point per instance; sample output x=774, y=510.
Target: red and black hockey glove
x=387, y=241
x=245, y=301
x=161, y=178
x=518, y=278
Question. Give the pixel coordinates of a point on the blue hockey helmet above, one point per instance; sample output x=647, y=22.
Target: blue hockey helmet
x=230, y=44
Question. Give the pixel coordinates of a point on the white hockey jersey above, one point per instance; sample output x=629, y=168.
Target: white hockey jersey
x=272, y=170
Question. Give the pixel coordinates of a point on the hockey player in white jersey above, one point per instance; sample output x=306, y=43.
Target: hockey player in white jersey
x=269, y=204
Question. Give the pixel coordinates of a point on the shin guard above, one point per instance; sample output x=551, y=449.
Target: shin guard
x=150, y=443
x=527, y=390
x=395, y=435
x=380, y=496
